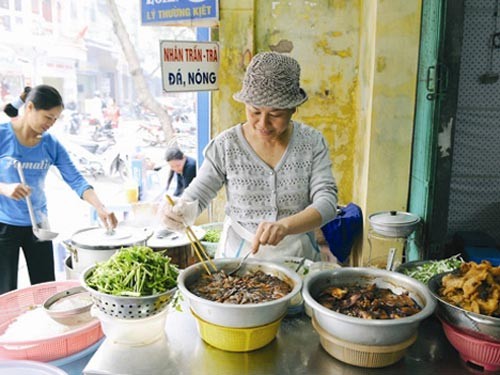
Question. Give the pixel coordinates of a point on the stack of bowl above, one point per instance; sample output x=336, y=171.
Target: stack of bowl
x=239, y=327
x=475, y=336
x=366, y=342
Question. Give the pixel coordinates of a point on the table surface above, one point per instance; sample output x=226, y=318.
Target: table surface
x=296, y=350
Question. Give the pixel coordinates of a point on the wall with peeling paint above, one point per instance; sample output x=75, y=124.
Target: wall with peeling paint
x=359, y=64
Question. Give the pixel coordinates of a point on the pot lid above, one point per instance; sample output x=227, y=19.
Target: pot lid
x=393, y=218
x=167, y=239
x=122, y=236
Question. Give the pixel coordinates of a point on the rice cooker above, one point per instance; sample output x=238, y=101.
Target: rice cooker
x=97, y=244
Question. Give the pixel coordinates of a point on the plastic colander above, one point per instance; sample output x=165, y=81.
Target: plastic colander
x=483, y=353
x=60, y=345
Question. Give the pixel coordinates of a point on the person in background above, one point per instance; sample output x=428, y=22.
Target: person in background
x=182, y=167
x=277, y=172
x=26, y=140
x=95, y=108
x=112, y=113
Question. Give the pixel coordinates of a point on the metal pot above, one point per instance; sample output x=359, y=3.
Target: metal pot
x=95, y=244
x=477, y=325
x=176, y=245
x=234, y=315
x=367, y=331
x=393, y=223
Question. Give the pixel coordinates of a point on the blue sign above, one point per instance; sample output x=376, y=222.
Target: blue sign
x=175, y=12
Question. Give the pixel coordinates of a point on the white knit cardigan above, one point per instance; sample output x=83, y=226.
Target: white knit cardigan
x=256, y=192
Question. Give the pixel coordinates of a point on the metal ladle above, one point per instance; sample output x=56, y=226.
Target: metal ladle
x=40, y=233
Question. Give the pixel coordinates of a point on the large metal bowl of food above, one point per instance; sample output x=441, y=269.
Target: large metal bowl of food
x=404, y=301
x=253, y=283
x=472, y=323
x=424, y=270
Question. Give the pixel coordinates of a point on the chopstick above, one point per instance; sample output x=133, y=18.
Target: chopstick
x=196, y=245
x=200, y=251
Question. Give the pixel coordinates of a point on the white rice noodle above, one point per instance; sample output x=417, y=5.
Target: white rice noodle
x=34, y=324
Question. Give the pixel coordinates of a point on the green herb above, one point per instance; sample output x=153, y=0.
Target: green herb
x=425, y=271
x=133, y=272
x=212, y=235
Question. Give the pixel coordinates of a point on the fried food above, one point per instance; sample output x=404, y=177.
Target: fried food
x=473, y=287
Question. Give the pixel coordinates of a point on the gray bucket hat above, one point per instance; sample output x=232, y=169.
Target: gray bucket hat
x=272, y=80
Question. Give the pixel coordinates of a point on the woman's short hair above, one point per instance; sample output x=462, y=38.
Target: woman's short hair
x=44, y=97
x=174, y=153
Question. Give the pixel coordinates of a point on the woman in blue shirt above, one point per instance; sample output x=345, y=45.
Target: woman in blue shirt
x=25, y=139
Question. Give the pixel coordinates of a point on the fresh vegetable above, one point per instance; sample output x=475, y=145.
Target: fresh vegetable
x=425, y=271
x=212, y=235
x=133, y=272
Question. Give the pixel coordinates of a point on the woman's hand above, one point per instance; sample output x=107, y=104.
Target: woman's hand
x=269, y=233
x=183, y=213
x=15, y=191
x=108, y=219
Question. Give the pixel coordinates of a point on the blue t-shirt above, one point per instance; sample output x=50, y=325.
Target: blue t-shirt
x=36, y=162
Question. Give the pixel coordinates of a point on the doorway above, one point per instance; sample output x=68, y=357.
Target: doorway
x=456, y=181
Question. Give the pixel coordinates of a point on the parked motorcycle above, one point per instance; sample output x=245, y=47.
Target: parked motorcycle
x=72, y=119
x=111, y=162
x=104, y=133
x=151, y=135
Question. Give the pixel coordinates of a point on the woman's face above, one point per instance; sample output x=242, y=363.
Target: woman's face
x=41, y=120
x=268, y=123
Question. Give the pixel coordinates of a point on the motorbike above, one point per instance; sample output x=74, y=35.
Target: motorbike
x=119, y=165
x=151, y=135
x=109, y=161
x=74, y=122
x=104, y=132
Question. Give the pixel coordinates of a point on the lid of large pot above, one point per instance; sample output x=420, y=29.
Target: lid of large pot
x=167, y=239
x=393, y=218
x=97, y=238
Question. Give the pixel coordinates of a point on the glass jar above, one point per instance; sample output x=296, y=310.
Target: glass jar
x=381, y=247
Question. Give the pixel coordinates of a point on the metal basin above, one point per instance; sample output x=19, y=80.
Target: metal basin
x=367, y=331
x=245, y=315
x=477, y=325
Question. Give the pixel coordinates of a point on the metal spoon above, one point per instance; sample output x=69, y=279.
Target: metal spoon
x=40, y=233
x=390, y=259
x=239, y=264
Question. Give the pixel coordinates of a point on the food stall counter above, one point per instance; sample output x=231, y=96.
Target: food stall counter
x=296, y=350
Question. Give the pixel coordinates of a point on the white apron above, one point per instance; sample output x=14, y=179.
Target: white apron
x=236, y=241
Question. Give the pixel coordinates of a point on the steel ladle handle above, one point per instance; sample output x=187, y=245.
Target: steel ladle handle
x=28, y=199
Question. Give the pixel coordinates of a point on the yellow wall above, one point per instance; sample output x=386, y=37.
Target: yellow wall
x=359, y=66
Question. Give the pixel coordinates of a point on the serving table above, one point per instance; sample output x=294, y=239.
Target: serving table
x=296, y=350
